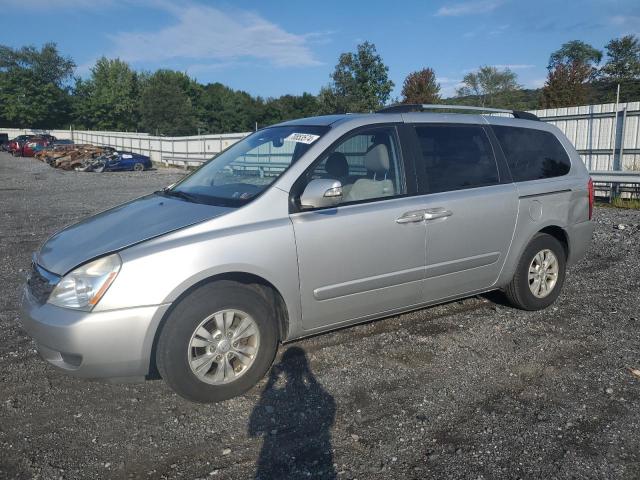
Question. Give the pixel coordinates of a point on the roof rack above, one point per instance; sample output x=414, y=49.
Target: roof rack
x=413, y=107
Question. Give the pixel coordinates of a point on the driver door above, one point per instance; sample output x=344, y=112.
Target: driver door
x=367, y=255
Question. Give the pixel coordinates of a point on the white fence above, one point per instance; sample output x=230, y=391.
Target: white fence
x=162, y=149
x=159, y=149
x=606, y=139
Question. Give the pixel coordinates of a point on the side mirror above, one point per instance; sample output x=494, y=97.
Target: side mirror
x=320, y=193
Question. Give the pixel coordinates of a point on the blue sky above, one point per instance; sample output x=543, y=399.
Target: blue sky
x=274, y=47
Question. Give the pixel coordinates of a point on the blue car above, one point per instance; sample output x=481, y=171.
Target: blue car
x=120, y=161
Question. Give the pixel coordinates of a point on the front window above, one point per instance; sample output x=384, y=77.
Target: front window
x=249, y=167
x=367, y=164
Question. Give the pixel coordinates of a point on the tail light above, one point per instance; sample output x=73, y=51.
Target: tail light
x=591, y=197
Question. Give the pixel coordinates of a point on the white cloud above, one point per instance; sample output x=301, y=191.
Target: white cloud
x=468, y=8
x=626, y=23
x=205, y=34
x=448, y=86
x=625, y=20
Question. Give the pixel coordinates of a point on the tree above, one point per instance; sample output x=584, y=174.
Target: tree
x=421, y=87
x=33, y=86
x=165, y=103
x=360, y=82
x=578, y=52
x=567, y=85
x=287, y=107
x=571, y=69
x=224, y=110
x=487, y=82
x=624, y=59
x=108, y=100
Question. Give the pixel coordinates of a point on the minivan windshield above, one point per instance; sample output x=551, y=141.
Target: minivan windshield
x=247, y=168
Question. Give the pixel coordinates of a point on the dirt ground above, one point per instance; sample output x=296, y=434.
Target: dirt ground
x=472, y=389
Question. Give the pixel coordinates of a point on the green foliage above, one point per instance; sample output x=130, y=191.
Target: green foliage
x=630, y=203
x=222, y=109
x=486, y=83
x=166, y=105
x=571, y=69
x=525, y=99
x=604, y=91
x=575, y=51
x=33, y=91
x=288, y=107
x=623, y=62
x=108, y=100
x=360, y=82
x=421, y=87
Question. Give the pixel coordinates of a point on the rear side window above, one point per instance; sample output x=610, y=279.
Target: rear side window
x=455, y=157
x=532, y=154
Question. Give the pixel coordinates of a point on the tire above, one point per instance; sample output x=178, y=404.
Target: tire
x=520, y=292
x=138, y=167
x=175, y=354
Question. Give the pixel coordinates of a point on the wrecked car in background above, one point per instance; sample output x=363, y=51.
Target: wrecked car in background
x=114, y=161
x=90, y=158
x=34, y=145
x=68, y=157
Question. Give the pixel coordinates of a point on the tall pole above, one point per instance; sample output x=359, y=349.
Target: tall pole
x=615, y=127
x=614, y=186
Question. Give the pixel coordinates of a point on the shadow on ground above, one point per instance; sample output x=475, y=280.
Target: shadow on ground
x=294, y=417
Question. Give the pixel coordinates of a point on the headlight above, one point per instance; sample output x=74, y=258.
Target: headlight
x=83, y=288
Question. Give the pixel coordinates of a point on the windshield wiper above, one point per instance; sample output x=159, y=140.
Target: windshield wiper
x=177, y=193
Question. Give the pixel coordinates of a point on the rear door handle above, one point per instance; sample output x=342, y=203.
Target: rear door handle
x=411, y=217
x=433, y=213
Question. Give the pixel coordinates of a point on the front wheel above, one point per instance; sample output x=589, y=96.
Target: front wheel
x=218, y=342
x=539, y=275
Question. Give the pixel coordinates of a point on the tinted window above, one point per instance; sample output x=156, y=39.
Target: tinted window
x=455, y=157
x=532, y=154
x=367, y=164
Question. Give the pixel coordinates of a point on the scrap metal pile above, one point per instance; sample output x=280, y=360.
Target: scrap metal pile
x=70, y=157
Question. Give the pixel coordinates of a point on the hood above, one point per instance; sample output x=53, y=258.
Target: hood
x=120, y=227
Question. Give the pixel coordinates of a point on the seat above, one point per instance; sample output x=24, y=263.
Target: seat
x=337, y=166
x=377, y=162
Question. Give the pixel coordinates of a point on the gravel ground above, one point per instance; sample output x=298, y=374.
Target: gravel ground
x=471, y=389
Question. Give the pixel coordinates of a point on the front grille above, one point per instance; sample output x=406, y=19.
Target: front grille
x=41, y=283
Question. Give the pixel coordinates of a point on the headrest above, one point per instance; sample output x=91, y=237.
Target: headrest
x=377, y=158
x=337, y=165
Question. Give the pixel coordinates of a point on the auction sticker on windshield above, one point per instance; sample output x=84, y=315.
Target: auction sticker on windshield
x=302, y=137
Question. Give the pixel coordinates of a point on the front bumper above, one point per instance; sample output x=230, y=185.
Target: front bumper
x=115, y=343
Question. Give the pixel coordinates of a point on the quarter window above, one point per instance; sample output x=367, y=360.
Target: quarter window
x=455, y=157
x=532, y=154
x=367, y=164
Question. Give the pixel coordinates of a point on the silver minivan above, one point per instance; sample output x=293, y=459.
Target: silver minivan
x=309, y=226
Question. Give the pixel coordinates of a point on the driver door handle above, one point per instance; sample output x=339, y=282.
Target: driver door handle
x=439, y=212
x=411, y=217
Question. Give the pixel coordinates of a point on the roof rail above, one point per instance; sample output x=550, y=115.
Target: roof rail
x=412, y=107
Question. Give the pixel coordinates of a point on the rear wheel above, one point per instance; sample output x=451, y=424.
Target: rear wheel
x=138, y=167
x=218, y=342
x=539, y=275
